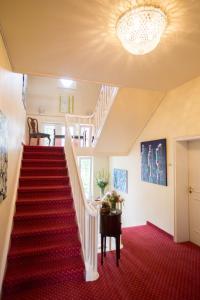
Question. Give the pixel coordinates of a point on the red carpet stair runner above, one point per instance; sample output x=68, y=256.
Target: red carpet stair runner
x=45, y=248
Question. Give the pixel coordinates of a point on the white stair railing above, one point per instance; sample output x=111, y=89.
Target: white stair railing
x=103, y=106
x=93, y=124
x=81, y=129
x=87, y=215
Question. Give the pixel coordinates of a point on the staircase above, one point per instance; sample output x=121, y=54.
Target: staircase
x=45, y=247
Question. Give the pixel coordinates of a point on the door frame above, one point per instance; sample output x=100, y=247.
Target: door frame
x=181, y=185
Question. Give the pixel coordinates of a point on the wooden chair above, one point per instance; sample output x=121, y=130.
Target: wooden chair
x=57, y=136
x=33, y=131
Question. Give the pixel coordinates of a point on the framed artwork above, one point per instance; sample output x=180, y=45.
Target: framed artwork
x=24, y=89
x=120, y=180
x=3, y=157
x=154, y=162
x=67, y=104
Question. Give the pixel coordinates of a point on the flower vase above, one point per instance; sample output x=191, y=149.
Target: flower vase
x=102, y=192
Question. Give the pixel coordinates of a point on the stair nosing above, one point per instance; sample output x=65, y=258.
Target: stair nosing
x=40, y=146
x=44, y=152
x=44, y=176
x=45, y=160
x=43, y=200
x=23, y=215
x=42, y=168
x=44, y=231
x=43, y=187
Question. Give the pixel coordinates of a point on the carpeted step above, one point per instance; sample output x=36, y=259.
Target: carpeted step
x=43, y=163
x=32, y=241
x=42, y=171
x=35, y=222
x=42, y=229
x=45, y=203
x=47, y=149
x=53, y=249
x=31, y=248
x=43, y=272
x=31, y=181
x=43, y=191
x=29, y=215
x=43, y=155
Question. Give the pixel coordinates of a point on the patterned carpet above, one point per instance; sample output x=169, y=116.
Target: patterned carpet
x=45, y=248
x=152, y=267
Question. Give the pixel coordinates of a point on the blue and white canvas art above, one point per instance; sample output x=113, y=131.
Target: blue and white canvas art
x=120, y=180
x=154, y=162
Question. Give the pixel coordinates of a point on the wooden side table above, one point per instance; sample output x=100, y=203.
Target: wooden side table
x=110, y=225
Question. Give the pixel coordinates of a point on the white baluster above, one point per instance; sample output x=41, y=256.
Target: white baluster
x=86, y=215
x=97, y=119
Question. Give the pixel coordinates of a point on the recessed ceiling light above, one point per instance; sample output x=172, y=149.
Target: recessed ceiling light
x=68, y=83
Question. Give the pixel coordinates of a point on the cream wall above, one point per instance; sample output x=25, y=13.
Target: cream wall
x=177, y=116
x=12, y=107
x=45, y=92
x=130, y=111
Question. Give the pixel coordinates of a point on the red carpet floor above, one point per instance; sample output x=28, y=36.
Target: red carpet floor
x=45, y=248
x=152, y=267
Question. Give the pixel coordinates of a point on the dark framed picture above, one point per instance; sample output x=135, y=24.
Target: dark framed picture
x=154, y=162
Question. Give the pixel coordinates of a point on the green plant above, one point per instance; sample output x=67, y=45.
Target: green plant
x=102, y=180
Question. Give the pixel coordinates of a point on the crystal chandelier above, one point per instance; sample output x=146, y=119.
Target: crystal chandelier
x=141, y=28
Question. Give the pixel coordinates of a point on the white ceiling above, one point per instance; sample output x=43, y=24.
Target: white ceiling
x=76, y=39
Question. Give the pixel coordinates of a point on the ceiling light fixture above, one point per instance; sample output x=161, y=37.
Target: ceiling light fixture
x=140, y=29
x=68, y=83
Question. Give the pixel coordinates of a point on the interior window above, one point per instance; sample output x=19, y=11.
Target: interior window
x=85, y=165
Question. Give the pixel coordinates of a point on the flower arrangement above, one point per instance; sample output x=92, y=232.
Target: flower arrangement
x=102, y=180
x=113, y=198
x=105, y=208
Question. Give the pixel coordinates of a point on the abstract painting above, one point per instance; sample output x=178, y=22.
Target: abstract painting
x=154, y=162
x=120, y=180
x=3, y=157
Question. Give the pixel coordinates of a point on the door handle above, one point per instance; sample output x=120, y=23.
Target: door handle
x=190, y=189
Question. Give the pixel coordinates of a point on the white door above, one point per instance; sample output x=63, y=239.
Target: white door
x=194, y=191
